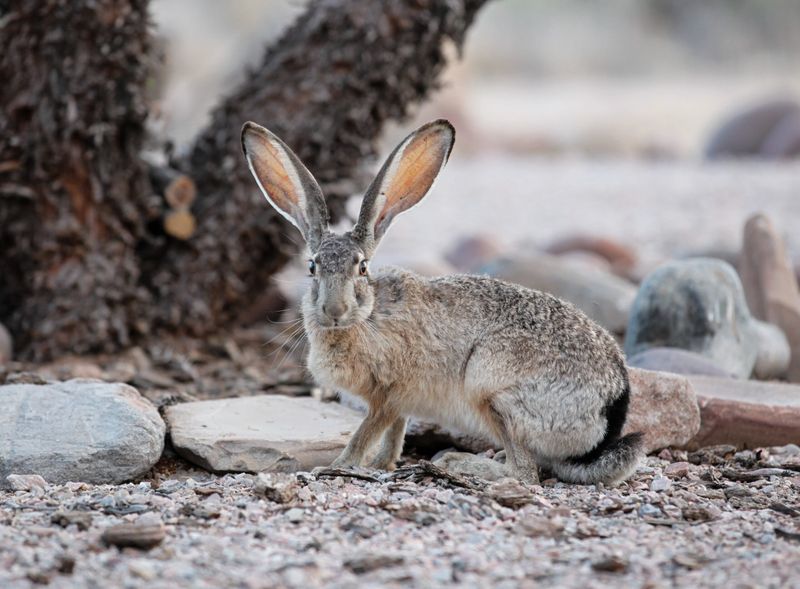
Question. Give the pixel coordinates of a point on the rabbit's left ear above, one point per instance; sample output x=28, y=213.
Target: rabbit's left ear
x=404, y=180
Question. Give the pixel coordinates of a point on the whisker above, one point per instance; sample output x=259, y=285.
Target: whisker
x=294, y=327
x=294, y=347
x=275, y=322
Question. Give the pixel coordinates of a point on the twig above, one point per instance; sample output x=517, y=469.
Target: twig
x=785, y=509
x=755, y=475
x=345, y=472
x=787, y=534
x=424, y=468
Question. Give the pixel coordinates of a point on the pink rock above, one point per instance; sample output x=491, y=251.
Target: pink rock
x=677, y=469
x=468, y=254
x=770, y=284
x=621, y=259
x=746, y=413
x=664, y=407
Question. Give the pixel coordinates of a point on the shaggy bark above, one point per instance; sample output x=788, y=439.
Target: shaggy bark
x=86, y=264
x=73, y=193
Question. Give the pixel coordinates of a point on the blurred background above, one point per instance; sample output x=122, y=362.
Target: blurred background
x=574, y=118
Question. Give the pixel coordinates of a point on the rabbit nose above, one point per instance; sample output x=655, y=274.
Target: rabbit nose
x=335, y=310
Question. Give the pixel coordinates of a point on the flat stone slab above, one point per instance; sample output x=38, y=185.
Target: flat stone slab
x=266, y=433
x=746, y=413
x=78, y=430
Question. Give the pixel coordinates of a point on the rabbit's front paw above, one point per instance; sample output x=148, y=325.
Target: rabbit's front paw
x=382, y=464
x=343, y=463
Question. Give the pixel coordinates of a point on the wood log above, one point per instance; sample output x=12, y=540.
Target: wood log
x=73, y=192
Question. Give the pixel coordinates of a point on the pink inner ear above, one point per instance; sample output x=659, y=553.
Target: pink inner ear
x=273, y=175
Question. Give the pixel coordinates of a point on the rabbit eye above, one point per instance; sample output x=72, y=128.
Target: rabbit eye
x=362, y=268
x=312, y=267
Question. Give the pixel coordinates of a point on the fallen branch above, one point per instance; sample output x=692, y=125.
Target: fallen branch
x=331, y=473
x=423, y=469
x=749, y=476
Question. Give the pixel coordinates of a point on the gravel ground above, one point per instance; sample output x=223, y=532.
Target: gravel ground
x=709, y=519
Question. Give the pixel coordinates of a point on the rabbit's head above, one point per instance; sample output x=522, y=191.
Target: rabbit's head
x=341, y=293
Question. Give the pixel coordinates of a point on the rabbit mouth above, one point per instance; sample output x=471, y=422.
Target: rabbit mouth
x=340, y=324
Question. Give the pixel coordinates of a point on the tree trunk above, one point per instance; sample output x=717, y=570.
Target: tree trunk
x=73, y=192
x=86, y=263
x=326, y=88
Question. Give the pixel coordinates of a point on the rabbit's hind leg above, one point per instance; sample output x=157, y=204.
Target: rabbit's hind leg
x=519, y=458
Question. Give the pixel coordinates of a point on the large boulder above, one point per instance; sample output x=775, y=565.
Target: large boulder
x=78, y=430
x=663, y=407
x=746, y=414
x=770, y=284
x=699, y=305
x=604, y=297
x=263, y=433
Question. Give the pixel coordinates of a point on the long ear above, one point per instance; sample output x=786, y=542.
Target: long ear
x=405, y=178
x=285, y=181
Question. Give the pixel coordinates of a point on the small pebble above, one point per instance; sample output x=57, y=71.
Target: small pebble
x=660, y=483
x=647, y=510
x=677, y=469
x=295, y=515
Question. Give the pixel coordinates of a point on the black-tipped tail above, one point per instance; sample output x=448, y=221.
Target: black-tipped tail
x=615, y=462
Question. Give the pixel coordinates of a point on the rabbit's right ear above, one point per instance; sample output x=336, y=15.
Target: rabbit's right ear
x=286, y=182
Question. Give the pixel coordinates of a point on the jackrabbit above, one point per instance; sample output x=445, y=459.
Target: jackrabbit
x=481, y=355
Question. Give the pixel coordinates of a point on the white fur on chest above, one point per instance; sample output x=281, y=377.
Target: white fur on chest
x=417, y=385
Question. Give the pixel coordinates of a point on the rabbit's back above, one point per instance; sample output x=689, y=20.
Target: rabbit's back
x=560, y=334
x=442, y=338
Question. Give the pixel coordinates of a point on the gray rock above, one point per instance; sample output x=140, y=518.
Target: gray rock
x=764, y=129
x=78, y=430
x=470, y=464
x=698, y=305
x=263, y=433
x=676, y=361
x=774, y=351
x=660, y=483
x=604, y=297
x=26, y=482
